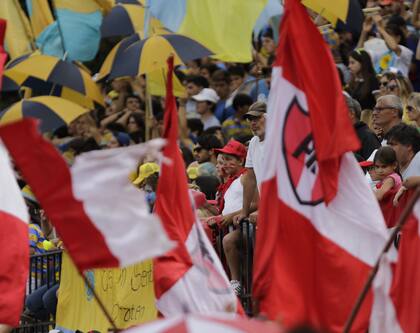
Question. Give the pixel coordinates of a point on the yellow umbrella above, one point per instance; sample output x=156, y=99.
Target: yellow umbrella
x=126, y=19
x=53, y=112
x=150, y=54
x=118, y=49
x=57, y=72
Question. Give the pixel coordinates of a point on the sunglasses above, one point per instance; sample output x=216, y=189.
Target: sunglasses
x=380, y=109
x=383, y=83
x=253, y=118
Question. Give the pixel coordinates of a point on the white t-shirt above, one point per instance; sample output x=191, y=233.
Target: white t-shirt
x=255, y=157
x=210, y=122
x=233, y=197
x=384, y=59
x=413, y=168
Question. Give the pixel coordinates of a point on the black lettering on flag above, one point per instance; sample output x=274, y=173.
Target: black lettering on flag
x=307, y=147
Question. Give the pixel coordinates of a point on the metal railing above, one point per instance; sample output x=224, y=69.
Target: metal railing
x=44, y=269
x=247, y=243
x=43, y=327
x=246, y=249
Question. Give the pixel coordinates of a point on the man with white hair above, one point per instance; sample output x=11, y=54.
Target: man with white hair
x=387, y=113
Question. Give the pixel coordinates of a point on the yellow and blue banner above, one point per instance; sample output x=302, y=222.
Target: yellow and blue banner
x=224, y=27
x=127, y=294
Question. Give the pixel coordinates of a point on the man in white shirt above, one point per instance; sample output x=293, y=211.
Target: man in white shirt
x=254, y=158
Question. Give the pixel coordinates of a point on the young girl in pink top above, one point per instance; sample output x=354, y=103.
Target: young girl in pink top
x=386, y=171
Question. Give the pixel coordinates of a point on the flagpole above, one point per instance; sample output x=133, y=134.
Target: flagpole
x=401, y=222
x=100, y=303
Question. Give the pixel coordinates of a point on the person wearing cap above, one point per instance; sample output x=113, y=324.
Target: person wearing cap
x=206, y=101
x=230, y=195
x=147, y=179
x=254, y=160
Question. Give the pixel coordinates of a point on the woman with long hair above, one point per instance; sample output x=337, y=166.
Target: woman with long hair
x=363, y=79
x=400, y=86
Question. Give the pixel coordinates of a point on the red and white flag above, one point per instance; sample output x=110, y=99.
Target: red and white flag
x=190, y=278
x=398, y=310
x=14, y=244
x=320, y=228
x=103, y=220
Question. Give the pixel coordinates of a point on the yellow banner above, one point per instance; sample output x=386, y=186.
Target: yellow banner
x=126, y=293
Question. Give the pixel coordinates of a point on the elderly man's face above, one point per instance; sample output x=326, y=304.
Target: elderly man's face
x=383, y=113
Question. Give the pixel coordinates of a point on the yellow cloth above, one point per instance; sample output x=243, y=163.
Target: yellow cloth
x=41, y=16
x=18, y=32
x=224, y=27
x=330, y=10
x=127, y=294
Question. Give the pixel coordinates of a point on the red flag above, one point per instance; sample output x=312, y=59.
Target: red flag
x=3, y=54
x=14, y=244
x=78, y=200
x=406, y=287
x=191, y=277
x=320, y=228
x=398, y=311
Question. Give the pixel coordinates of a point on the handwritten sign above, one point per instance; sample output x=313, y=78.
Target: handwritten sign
x=127, y=294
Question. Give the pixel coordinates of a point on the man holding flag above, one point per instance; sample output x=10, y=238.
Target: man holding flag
x=320, y=228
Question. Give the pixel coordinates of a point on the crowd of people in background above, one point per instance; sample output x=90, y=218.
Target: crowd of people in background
x=222, y=125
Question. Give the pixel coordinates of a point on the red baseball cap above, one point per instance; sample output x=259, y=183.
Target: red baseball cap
x=233, y=147
x=364, y=164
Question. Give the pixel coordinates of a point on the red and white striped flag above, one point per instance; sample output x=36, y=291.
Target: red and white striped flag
x=398, y=309
x=320, y=228
x=14, y=244
x=190, y=278
x=103, y=220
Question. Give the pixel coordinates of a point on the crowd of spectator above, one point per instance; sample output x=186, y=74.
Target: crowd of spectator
x=222, y=124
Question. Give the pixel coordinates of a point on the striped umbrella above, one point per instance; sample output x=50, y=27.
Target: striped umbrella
x=8, y=84
x=36, y=70
x=53, y=112
x=116, y=52
x=201, y=323
x=126, y=19
x=150, y=54
x=118, y=49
